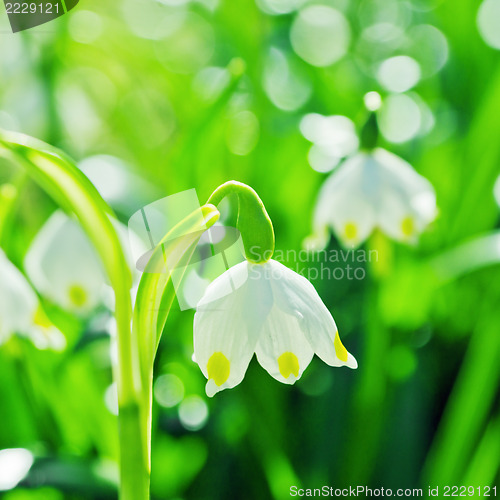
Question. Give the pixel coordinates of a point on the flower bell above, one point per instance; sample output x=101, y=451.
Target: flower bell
x=260, y=306
x=375, y=189
x=65, y=268
x=267, y=309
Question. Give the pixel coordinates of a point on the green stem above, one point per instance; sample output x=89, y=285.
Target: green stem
x=134, y=456
x=155, y=296
x=253, y=223
x=134, y=465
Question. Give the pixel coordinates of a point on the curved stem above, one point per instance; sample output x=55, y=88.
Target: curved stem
x=254, y=223
x=155, y=297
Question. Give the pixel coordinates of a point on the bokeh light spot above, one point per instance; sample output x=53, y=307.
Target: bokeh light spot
x=399, y=118
x=193, y=413
x=320, y=35
x=242, y=133
x=488, y=22
x=398, y=74
x=279, y=7
x=185, y=42
x=320, y=160
x=333, y=138
x=372, y=101
x=210, y=82
x=85, y=26
x=168, y=390
x=286, y=87
x=429, y=47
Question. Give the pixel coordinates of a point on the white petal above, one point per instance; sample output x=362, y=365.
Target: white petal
x=408, y=200
x=64, y=266
x=295, y=295
x=227, y=324
x=346, y=201
x=282, y=348
x=226, y=283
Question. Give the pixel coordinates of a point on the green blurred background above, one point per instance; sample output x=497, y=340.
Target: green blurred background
x=187, y=94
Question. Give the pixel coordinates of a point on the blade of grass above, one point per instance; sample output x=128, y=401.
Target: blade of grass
x=485, y=465
x=467, y=409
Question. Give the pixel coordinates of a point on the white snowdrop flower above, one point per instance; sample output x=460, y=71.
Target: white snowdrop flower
x=21, y=312
x=63, y=265
x=375, y=189
x=267, y=309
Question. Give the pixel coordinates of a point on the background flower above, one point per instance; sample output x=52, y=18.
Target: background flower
x=64, y=266
x=375, y=190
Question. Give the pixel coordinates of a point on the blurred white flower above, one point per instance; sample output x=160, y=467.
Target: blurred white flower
x=63, y=265
x=374, y=189
x=267, y=309
x=21, y=312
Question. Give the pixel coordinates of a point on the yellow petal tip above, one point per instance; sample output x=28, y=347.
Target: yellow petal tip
x=288, y=364
x=340, y=350
x=218, y=368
